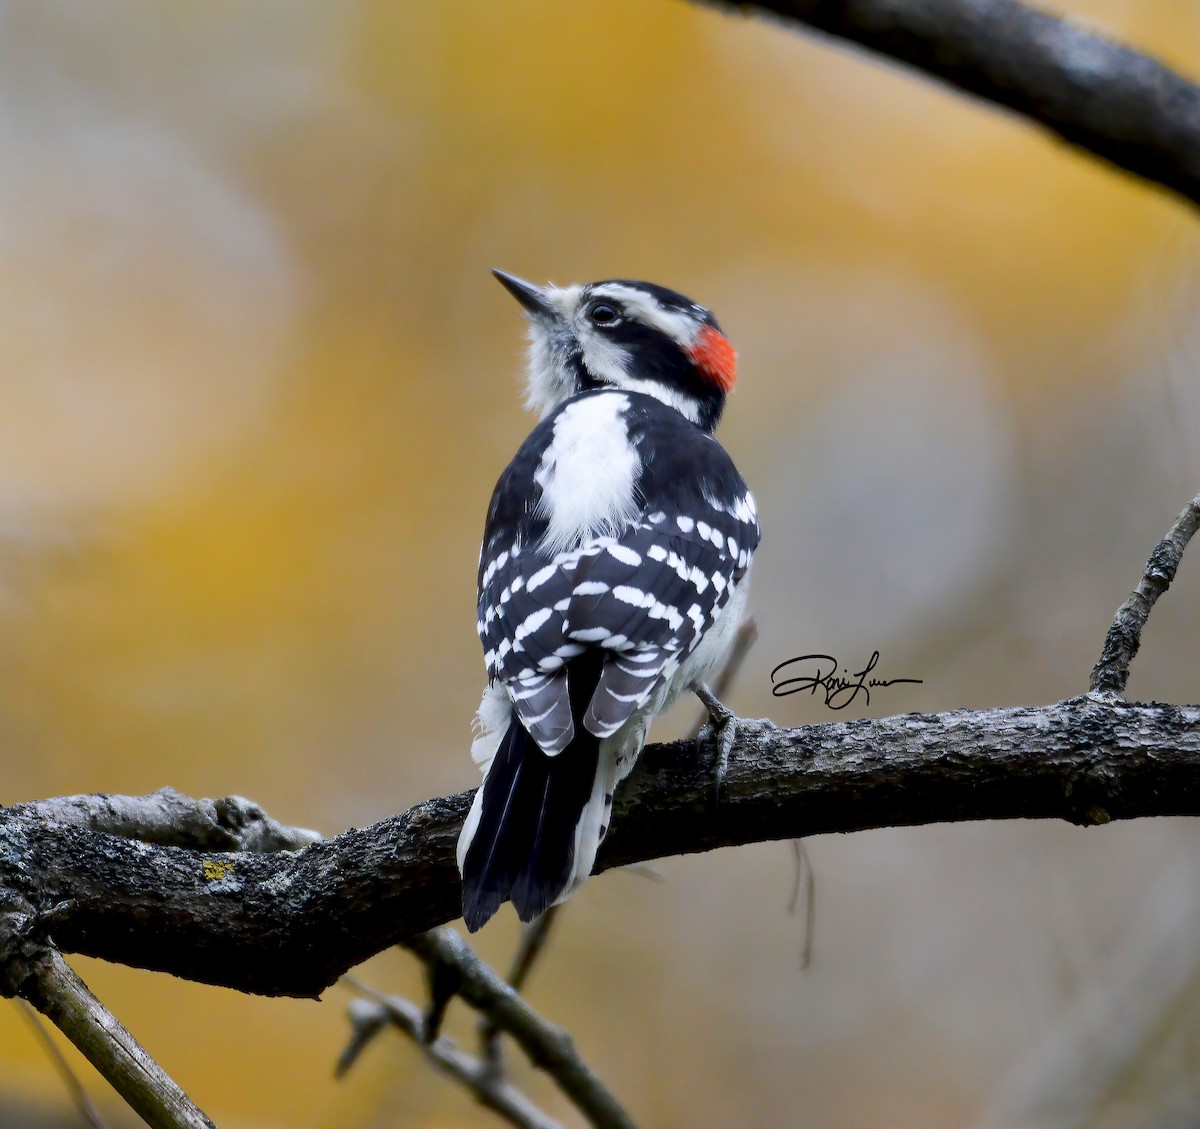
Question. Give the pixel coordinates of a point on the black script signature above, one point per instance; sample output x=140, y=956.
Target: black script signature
x=839, y=691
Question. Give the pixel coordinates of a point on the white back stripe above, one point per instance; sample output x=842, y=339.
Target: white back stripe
x=587, y=473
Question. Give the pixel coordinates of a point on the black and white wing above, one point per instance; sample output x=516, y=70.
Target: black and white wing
x=643, y=594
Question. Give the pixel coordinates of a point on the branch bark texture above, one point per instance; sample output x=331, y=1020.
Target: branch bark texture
x=1099, y=95
x=168, y=818
x=291, y=922
x=1111, y=672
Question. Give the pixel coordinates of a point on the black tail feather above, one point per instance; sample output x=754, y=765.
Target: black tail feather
x=524, y=846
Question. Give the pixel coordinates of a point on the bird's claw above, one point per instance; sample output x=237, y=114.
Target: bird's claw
x=721, y=729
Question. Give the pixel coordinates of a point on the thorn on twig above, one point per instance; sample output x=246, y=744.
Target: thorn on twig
x=1111, y=672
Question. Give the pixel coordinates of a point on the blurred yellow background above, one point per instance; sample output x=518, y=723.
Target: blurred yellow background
x=256, y=385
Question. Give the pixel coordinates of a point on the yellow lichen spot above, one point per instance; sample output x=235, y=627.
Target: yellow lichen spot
x=214, y=869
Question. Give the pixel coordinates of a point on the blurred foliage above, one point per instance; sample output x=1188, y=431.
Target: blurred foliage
x=256, y=385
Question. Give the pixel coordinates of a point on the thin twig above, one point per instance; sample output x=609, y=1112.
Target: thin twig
x=63, y=998
x=370, y=1016
x=806, y=885
x=1111, y=672
x=548, y=1047
x=644, y=870
x=533, y=941
x=79, y=1096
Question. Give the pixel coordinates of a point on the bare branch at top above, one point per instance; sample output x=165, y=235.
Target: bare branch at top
x=1097, y=94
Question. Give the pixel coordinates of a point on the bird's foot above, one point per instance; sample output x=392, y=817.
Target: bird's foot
x=721, y=729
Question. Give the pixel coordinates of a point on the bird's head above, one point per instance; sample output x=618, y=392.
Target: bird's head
x=621, y=334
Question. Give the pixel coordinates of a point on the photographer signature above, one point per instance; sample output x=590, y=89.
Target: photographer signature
x=839, y=691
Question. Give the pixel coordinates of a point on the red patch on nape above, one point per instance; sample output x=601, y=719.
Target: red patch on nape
x=714, y=356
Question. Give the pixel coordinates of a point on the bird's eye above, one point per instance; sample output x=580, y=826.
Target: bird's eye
x=604, y=314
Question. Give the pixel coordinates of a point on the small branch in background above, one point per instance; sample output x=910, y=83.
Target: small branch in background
x=378, y=1012
x=533, y=941
x=1111, y=672
x=51, y=986
x=79, y=1096
x=451, y=962
x=806, y=887
x=1099, y=95
x=548, y=1047
x=645, y=870
x=168, y=818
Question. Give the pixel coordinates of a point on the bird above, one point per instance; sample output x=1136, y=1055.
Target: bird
x=612, y=577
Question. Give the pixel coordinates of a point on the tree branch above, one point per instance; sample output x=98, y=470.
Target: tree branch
x=290, y=923
x=170, y=819
x=549, y=1047
x=1099, y=95
x=62, y=997
x=75, y=1088
x=1111, y=672
x=370, y=1016
x=455, y=969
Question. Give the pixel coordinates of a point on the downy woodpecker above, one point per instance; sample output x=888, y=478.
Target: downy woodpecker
x=612, y=576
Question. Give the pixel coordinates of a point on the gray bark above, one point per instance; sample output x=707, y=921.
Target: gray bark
x=291, y=922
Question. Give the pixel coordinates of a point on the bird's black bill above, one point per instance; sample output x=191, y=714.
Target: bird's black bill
x=526, y=293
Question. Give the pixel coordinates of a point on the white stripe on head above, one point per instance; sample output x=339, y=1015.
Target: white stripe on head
x=682, y=326
x=551, y=375
x=604, y=359
x=609, y=362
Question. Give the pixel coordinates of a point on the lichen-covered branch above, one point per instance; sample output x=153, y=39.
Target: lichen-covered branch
x=1100, y=95
x=291, y=922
